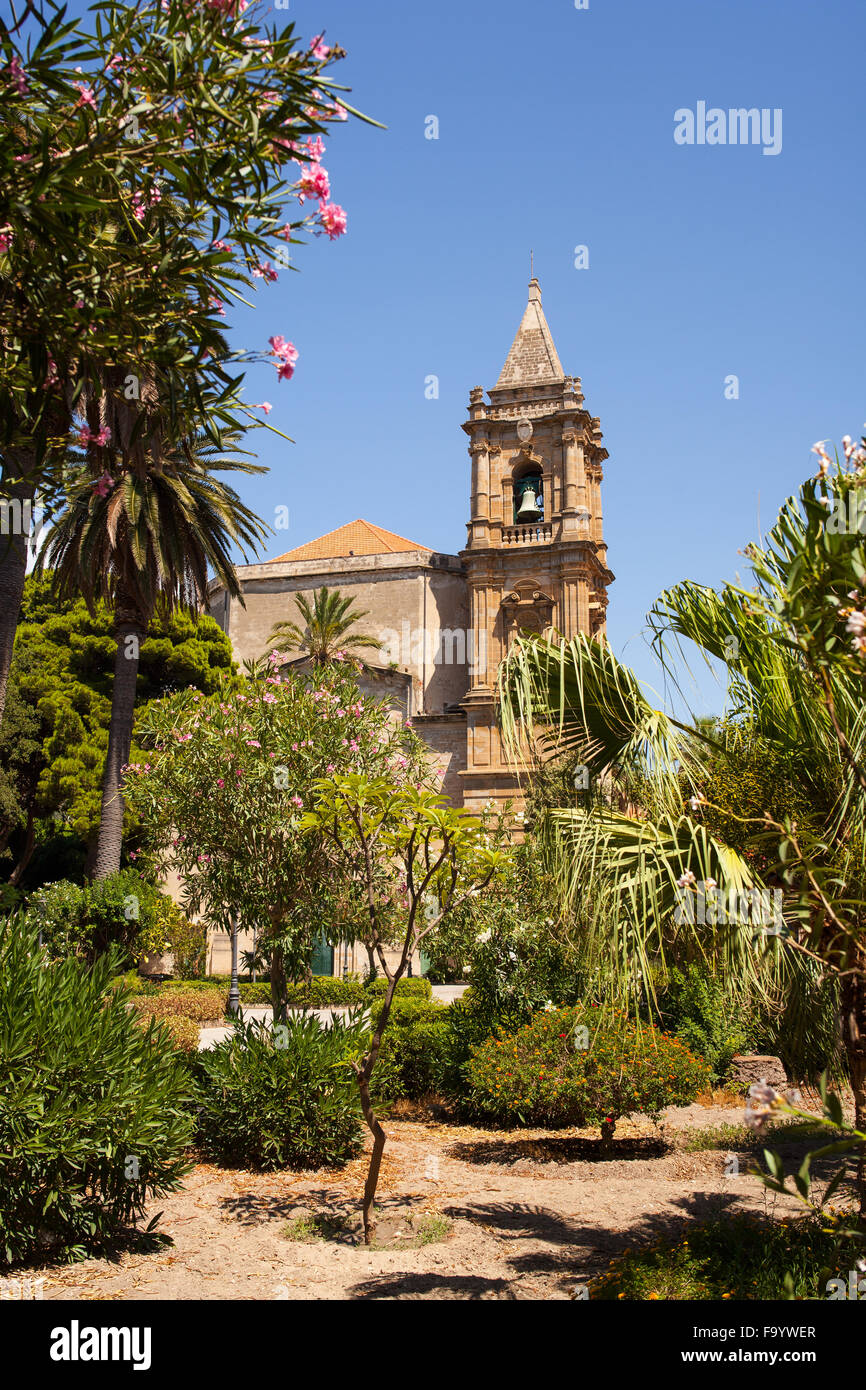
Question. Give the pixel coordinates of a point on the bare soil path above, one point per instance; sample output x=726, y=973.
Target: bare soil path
x=533, y=1214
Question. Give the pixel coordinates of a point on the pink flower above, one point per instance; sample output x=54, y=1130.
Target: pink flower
x=275, y=658
x=333, y=220
x=217, y=304
x=315, y=148
x=85, y=437
x=5, y=240
x=221, y=246
x=86, y=97
x=329, y=769
x=265, y=406
x=287, y=354
x=51, y=378
x=220, y=781
x=296, y=801
x=102, y=487
x=339, y=112
x=263, y=270
x=314, y=183
x=318, y=49
x=18, y=77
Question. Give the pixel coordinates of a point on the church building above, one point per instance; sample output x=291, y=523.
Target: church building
x=534, y=559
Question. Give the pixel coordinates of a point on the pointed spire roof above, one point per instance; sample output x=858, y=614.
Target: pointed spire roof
x=355, y=538
x=533, y=358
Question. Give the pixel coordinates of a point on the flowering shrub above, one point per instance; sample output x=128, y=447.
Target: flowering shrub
x=544, y=1075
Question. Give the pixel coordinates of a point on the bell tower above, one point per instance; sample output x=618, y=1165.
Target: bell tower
x=535, y=555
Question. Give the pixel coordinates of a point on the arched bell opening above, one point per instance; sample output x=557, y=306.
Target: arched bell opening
x=528, y=489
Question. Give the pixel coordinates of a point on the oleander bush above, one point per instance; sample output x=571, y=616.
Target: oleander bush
x=544, y=1075
x=281, y=1099
x=93, y=1107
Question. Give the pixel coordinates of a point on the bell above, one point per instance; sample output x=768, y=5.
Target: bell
x=529, y=509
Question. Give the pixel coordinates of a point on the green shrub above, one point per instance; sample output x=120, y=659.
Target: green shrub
x=123, y=910
x=416, y=988
x=92, y=1106
x=701, y=1011
x=738, y=1256
x=414, y=1050
x=541, y=1075
x=286, y=1099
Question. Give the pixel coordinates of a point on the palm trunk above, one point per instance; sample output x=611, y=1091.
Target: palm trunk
x=13, y=565
x=130, y=632
x=854, y=1036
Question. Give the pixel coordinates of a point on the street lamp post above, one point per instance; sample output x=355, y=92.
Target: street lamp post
x=234, y=991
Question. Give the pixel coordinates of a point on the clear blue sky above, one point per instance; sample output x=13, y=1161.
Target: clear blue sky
x=556, y=129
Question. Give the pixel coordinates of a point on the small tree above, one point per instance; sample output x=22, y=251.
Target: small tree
x=417, y=859
x=222, y=793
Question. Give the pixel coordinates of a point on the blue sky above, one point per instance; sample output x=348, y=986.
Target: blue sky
x=556, y=130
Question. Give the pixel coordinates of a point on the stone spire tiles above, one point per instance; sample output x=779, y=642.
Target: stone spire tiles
x=533, y=359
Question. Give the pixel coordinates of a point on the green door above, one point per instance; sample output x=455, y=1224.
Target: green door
x=323, y=957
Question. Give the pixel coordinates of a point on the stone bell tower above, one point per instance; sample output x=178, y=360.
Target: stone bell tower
x=535, y=555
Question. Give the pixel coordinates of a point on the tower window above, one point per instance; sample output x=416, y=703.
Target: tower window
x=528, y=498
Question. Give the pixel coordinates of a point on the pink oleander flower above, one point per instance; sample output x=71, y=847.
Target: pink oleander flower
x=296, y=801
x=275, y=658
x=217, y=304
x=51, y=378
x=85, y=437
x=18, y=77
x=333, y=220
x=264, y=271
x=314, y=183
x=287, y=355
x=5, y=240
x=138, y=207
x=86, y=97
x=221, y=782
x=102, y=487
x=265, y=406
x=329, y=769
x=318, y=49
x=221, y=246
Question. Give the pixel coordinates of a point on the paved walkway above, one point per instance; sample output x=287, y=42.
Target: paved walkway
x=445, y=994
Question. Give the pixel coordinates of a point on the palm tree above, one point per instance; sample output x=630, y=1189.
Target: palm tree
x=326, y=635
x=142, y=536
x=626, y=872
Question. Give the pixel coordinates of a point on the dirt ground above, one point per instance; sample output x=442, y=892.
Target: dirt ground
x=533, y=1214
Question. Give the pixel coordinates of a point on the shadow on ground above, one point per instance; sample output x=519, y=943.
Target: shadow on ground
x=557, y=1150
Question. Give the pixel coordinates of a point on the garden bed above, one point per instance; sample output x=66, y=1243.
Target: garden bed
x=526, y=1221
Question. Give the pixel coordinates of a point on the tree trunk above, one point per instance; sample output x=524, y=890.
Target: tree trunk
x=130, y=632
x=279, y=987
x=372, y=1180
x=13, y=562
x=27, y=852
x=854, y=1037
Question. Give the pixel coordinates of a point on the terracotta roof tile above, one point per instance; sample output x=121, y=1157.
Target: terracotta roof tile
x=355, y=538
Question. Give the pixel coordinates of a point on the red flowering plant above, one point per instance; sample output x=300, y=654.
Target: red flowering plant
x=580, y=1066
x=225, y=783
